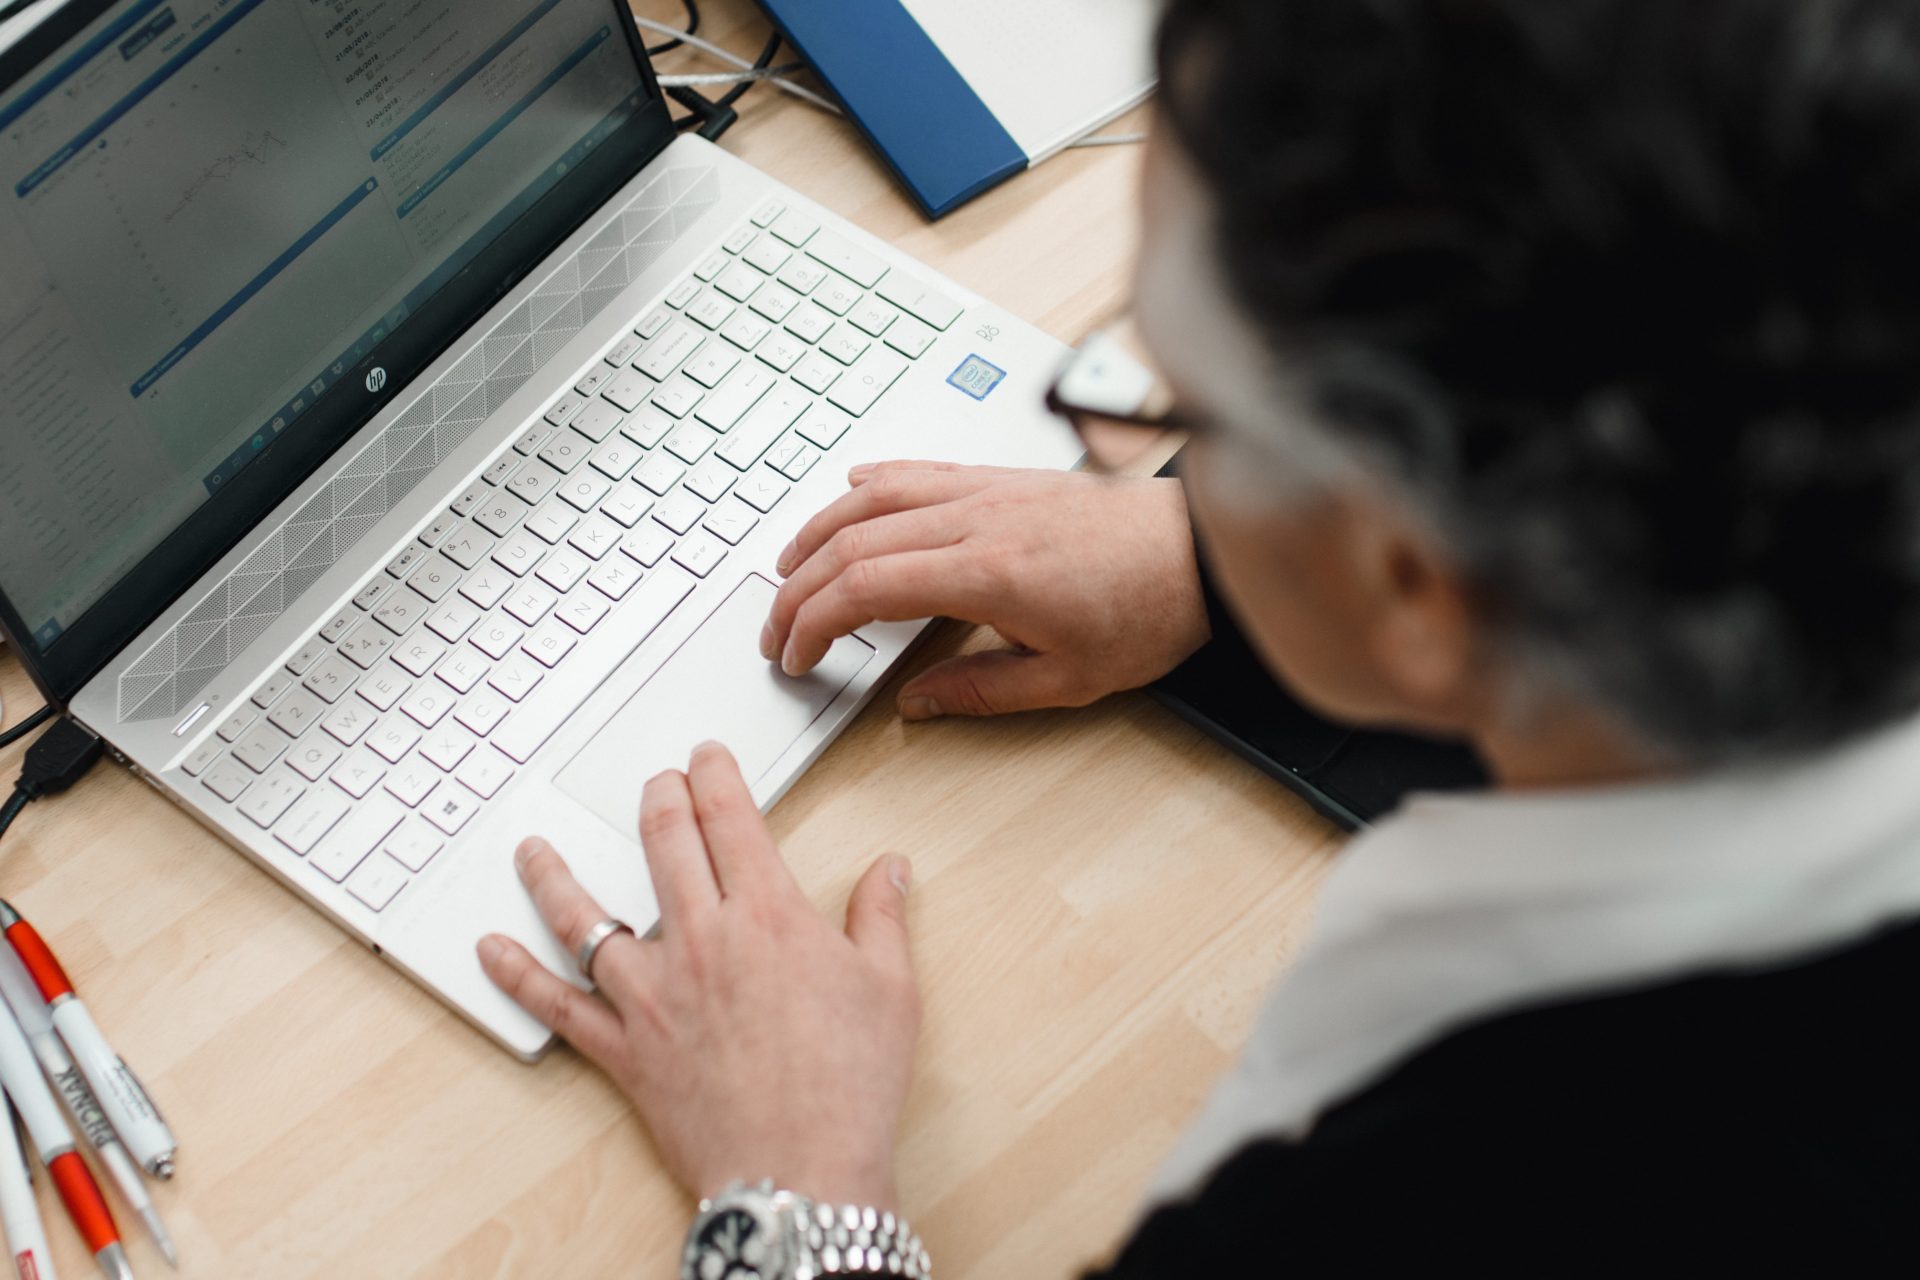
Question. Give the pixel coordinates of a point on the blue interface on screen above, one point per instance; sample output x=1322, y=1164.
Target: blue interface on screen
x=211, y=209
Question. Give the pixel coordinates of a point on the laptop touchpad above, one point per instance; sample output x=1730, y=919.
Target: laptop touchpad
x=716, y=685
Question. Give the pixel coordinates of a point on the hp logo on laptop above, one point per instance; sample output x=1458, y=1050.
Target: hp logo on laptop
x=376, y=378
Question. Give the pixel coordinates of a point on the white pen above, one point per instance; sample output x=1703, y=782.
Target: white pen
x=20, y=993
x=26, y=1234
x=119, y=1091
x=40, y=1115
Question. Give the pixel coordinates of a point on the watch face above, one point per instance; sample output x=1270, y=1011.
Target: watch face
x=735, y=1243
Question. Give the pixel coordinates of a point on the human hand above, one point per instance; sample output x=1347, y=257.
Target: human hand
x=1092, y=580
x=754, y=1038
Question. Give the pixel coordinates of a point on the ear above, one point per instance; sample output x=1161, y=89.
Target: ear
x=1423, y=634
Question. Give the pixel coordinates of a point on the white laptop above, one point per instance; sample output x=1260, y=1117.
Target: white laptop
x=398, y=426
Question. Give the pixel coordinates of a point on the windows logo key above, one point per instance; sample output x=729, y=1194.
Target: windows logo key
x=976, y=377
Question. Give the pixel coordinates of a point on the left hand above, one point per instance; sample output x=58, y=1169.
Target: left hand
x=754, y=1038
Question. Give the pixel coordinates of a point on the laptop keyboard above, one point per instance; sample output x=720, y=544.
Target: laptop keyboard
x=389, y=730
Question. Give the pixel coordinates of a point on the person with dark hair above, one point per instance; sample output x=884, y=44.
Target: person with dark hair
x=1551, y=375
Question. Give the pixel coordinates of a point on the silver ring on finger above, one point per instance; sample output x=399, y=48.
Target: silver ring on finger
x=590, y=944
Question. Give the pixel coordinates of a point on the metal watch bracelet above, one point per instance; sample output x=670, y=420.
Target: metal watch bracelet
x=755, y=1232
x=854, y=1241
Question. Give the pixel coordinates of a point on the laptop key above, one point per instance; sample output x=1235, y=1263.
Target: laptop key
x=367, y=645
x=260, y=747
x=663, y=355
x=647, y=544
x=271, y=688
x=312, y=756
x=867, y=380
x=758, y=430
x=496, y=638
x=517, y=555
x=486, y=587
x=760, y=490
x=308, y=654
x=599, y=421
x=413, y=843
x=434, y=578
x=342, y=623
x=541, y=713
x=359, y=772
x=411, y=781
x=346, y=722
x=467, y=548
x=451, y=808
x=270, y=797
x=515, y=678
x=482, y=712
x=627, y=505
x=332, y=678
x=917, y=299
x=536, y=435
x=909, y=337
x=298, y=712
x=794, y=227
x=393, y=738
x=567, y=450
x=419, y=651
x=428, y=704
x=563, y=569
x=356, y=836
x=452, y=620
x=849, y=259
x=625, y=392
x=700, y=554
x=202, y=756
x=484, y=772
x=385, y=686
x=533, y=482
x=236, y=724
x=227, y=779
x=308, y=821
x=499, y=516
x=584, y=491
x=652, y=323
x=737, y=395
x=377, y=882
x=447, y=747
x=463, y=668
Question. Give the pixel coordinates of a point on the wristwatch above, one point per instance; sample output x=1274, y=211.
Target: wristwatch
x=758, y=1233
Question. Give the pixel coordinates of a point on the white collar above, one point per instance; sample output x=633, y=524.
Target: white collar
x=1458, y=907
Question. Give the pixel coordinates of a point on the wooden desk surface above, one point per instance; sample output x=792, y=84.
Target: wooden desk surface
x=1101, y=898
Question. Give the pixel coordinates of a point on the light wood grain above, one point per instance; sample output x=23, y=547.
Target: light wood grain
x=1101, y=898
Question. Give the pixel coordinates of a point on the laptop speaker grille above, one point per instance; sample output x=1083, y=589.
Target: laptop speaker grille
x=238, y=609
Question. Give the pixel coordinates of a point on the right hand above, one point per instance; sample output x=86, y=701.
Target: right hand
x=1092, y=580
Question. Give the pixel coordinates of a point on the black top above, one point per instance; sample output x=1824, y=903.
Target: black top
x=1668, y=1129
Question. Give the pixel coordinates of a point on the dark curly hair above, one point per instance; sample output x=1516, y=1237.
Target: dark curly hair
x=1625, y=293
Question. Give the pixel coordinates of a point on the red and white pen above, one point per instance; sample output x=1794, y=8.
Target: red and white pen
x=119, y=1091
x=23, y=997
x=48, y=1132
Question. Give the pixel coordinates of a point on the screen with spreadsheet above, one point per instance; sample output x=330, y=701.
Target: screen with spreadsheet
x=212, y=210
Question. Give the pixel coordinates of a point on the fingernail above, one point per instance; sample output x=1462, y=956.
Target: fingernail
x=525, y=851
x=900, y=871
x=857, y=474
x=766, y=640
x=790, y=661
x=785, y=562
x=710, y=744
x=492, y=947
x=918, y=707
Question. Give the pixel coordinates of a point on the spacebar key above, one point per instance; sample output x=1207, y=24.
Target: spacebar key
x=544, y=710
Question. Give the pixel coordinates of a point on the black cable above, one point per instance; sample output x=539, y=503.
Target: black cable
x=693, y=28
x=25, y=727
x=11, y=810
x=57, y=759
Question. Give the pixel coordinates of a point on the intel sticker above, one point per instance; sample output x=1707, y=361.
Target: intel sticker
x=976, y=377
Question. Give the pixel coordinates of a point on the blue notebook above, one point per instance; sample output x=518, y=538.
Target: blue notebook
x=958, y=95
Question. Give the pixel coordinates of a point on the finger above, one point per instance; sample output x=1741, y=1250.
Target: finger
x=676, y=852
x=895, y=588
x=745, y=857
x=586, y=1023
x=877, y=914
x=989, y=684
x=898, y=489
x=924, y=530
x=570, y=912
x=865, y=471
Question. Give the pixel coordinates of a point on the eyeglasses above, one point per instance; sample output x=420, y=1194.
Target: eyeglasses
x=1113, y=395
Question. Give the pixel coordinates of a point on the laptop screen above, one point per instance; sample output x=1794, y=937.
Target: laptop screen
x=212, y=212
